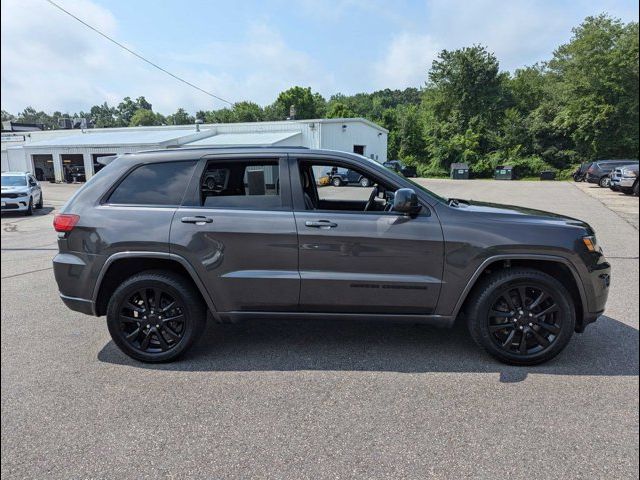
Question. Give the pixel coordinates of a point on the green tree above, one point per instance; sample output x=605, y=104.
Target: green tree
x=143, y=117
x=247, y=112
x=307, y=104
x=104, y=116
x=338, y=109
x=181, y=117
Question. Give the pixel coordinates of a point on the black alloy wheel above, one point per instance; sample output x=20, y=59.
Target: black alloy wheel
x=152, y=320
x=521, y=316
x=524, y=320
x=155, y=316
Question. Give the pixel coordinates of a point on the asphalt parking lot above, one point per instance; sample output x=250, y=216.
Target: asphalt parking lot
x=282, y=399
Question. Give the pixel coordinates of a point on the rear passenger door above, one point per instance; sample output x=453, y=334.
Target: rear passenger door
x=236, y=227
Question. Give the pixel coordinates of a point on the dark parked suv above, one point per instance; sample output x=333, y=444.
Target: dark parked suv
x=600, y=171
x=159, y=241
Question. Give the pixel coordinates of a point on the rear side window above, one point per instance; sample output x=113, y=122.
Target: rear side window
x=239, y=184
x=154, y=184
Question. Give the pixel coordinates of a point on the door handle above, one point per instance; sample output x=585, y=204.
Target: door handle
x=199, y=220
x=324, y=224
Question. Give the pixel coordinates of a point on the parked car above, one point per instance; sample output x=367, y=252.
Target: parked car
x=580, y=175
x=21, y=192
x=599, y=172
x=399, y=167
x=341, y=177
x=206, y=238
x=625, y=179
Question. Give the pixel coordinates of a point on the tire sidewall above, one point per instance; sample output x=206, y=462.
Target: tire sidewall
x=364, y=182
x=190, y=309
x=336, y=182
x=479, y=325
x=605, y=182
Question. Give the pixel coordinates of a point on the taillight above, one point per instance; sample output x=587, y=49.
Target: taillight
x=65, y=222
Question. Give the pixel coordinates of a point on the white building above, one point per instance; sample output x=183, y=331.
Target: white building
x=47, y=153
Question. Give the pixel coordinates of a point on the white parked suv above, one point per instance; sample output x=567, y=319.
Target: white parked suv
x=21, y=192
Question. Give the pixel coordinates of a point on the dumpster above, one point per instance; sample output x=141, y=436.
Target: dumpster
x=504, y=172
x=547, y=175
x=459, y=171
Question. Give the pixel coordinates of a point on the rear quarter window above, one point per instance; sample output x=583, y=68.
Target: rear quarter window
x=154, y=184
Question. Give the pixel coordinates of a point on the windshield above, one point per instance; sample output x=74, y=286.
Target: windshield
x=425, y=189
x=13, y=181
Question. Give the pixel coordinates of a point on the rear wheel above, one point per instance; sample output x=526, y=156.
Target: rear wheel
x=605, y=182
x=336, y=182
x=635, y=189
x=155, y=316
x=364, y=182
x=521, y=317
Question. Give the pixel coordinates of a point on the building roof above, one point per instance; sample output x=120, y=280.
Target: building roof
x=254, y=139
x=138, y=137
x=459, y=166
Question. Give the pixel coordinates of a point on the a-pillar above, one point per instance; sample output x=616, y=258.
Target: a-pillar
x=88, y=165
x=57, y=167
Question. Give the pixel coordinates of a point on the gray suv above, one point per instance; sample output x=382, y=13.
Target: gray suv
x=160, y=241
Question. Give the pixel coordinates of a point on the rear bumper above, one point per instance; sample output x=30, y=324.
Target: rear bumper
x=627, y=182
x=81, y=305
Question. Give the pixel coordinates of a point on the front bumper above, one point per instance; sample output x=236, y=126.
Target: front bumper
x=627, y=182
x=18, y=204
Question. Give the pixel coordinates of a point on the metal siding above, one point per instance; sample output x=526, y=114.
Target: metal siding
x=334, y=138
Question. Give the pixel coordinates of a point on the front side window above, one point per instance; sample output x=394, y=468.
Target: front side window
x=154, y=184
x=241, y=184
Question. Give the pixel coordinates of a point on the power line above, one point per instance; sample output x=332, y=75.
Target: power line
x=138, y=55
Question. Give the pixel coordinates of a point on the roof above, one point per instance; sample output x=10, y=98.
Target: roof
x=462, y=166
x=15, y=174
x=236, y=139
x=138, y=137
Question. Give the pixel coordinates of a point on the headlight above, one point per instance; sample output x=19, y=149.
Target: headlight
x=591, y=243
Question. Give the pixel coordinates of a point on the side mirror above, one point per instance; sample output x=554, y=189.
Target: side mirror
x=405, y=201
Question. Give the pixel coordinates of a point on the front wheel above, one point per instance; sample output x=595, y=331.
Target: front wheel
x=155, y=316
x=605, y=182
x=336, y=182
x=40, y=203
x=635, y=189
x=29, y=211
x=364, y=182
x=522, y=316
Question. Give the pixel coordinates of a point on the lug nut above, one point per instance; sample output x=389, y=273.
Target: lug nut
x=149, y=326
x=531, y=324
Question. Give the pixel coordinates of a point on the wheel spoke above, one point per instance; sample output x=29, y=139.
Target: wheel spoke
x=499, y=314
x=145, y=299
x=549, y=327
x=168, y=307
x=541, y=340
x=163, y=343
x=133, y=335
x=135, y=308
x=145, y=341
x=522, y=292
x=523, y=343
x=177, y=318
x=509, y=339
x=538, y=301
x=552, y=309
x=507, y=298
x=157, y=296
x=127, y=319
x=173, y=336
x=501, y=326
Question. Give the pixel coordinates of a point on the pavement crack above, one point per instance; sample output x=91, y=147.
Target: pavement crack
x=26, y=273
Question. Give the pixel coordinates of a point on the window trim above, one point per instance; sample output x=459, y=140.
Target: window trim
x=192, y=199
x=297, y=191
x=105, y=199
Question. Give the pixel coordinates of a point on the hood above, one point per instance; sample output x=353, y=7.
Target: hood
x=523, y=214
x=21, y=189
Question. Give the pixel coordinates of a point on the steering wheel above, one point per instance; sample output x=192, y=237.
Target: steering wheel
x=372, y=199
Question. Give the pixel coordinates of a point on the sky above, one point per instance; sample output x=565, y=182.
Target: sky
x=252, y=50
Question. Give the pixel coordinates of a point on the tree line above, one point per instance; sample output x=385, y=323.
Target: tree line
x=580, y=105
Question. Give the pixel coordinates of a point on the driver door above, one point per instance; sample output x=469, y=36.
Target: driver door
x=357, y=261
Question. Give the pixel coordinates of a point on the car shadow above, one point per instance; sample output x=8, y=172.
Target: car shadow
x=40, y=212
x=608, y=348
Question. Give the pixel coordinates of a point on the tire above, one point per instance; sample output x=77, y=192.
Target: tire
x=505, y=344
x=635, y=188
x=167, y=339
x=336, y=182
x=364, y=182
x=40, y=203
x=29, y=210
x=605, y=182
